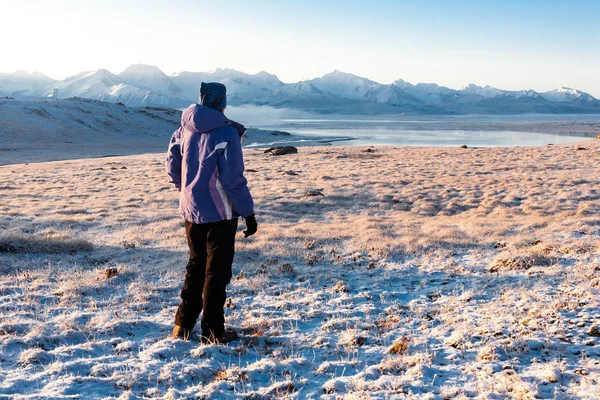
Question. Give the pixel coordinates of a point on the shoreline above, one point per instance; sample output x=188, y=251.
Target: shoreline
x=318, y=147
x=39, y=131
x=576, y=127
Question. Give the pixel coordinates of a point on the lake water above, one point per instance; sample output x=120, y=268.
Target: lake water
x=405, y=130
x=377, y=136
x=442, y=138
x=391, y=132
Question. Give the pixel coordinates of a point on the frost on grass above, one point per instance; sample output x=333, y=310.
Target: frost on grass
x=422, y=273
x=519, y=262
x=47, y=242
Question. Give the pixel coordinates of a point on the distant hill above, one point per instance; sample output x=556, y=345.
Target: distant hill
x=337, y=92
x=33, y=130
x=45, y=130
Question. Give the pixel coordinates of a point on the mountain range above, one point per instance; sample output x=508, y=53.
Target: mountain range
x=336, y=92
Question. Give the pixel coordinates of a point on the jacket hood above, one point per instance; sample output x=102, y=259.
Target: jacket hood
x=201, y=119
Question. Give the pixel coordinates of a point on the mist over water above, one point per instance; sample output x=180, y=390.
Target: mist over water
x=264, y=116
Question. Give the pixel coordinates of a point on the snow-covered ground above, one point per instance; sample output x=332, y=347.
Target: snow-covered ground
x=48, y=130
x=419, y=273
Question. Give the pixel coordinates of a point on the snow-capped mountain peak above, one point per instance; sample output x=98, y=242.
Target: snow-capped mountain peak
x=338, y=76
x=335, y=92
x=567, y=94
x=20, y=81
x=223, y=72
x=306, y=87
x=485, y=91
x=33, y=75
x=87, y=84
x=527, y=93
x=241, y=87
x=433, y=88
x=428, y=93
x=344, y=84
x=266, y=74
x=569, y=91
x=402, y=84
x=149, y=77
x=141, y=70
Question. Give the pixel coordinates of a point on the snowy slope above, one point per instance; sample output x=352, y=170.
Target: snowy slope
x=390, y=94
x=565, y=94
x=106, y=86
x=24, y=83
x=88, y=84
x=336, y=92
x=347, y=93
x=136, y=97
x=151, y=78
x=350, y=86
x=56, y=129
x=302, y=87
x=344, y=85
x=484, y=91
x=33, y=130
x=242, y=88
x=402, y=84
x=532, y=94
x=430, y=93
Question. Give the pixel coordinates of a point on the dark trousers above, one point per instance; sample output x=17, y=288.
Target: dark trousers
x=208, y=272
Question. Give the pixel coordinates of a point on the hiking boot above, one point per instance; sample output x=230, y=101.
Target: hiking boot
x=229, y=335
x=181, y=333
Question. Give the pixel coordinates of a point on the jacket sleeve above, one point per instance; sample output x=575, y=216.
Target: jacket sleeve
x=231, y=174
x=173, y=161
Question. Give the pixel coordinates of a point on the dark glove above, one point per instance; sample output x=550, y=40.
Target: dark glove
x=251, y=226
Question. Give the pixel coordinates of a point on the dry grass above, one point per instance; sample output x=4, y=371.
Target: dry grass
x=400, y=346
x=520, y=262
x=400, y=245
x=49, y=242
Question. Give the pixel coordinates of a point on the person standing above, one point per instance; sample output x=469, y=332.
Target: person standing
x=205, y=163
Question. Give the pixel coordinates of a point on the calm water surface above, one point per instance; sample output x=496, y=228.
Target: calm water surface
x=359, y=137
x=390, y=132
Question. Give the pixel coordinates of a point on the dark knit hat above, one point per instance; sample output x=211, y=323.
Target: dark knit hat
x=213, y=95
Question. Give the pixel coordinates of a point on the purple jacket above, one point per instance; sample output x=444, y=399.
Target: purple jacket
x=206, y=164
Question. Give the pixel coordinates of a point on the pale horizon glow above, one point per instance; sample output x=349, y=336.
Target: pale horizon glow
x=540, y=45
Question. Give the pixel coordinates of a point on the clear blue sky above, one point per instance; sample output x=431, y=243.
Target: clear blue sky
x=508, y=44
